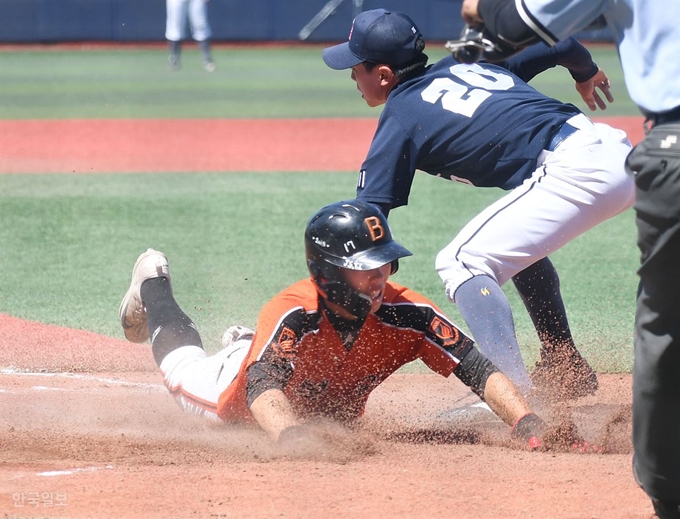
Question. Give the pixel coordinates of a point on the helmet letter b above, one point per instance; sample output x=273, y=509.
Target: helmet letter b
x=375, y=228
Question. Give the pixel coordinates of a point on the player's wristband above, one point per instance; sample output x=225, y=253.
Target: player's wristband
x=529, y=429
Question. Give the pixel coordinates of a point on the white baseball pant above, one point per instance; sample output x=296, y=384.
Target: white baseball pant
x=176, y=22
x=196, y=379
x=579, y=185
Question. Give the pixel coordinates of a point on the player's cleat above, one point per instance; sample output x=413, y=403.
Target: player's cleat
x=236, y=333
x=564, y=376
x=132, y=313
x=209, y=66
x=173, y=62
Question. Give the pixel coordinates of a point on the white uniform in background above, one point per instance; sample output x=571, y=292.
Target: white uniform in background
x=193, y=13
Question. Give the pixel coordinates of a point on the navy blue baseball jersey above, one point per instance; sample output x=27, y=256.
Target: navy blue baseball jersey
x=480, y=124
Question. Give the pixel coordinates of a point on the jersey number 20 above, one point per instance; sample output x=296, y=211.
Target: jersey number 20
x=465, y=99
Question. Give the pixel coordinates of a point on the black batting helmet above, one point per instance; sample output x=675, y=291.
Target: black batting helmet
x=350, y=235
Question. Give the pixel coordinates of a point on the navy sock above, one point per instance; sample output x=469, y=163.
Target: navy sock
x=487, y=312
x=205, y=50
x=170, y=328
x=539, y=288
x=175, y=47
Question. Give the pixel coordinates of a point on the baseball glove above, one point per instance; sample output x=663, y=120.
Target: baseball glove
x=476, y=43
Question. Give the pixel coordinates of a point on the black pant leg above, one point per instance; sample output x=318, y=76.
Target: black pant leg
x=656, y=375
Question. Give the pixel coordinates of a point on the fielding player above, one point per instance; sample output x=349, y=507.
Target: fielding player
x=482, y=125
x=323, y=344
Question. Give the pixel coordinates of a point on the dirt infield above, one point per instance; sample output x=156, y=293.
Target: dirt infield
x=87, y=429
x=188, y=145
x=115, y=445
x=167, y=145
x=105, y=440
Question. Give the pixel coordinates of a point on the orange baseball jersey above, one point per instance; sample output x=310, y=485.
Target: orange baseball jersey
x=319, y=375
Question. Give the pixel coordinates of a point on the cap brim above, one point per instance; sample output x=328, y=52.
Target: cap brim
x=340, y=57
x=373, y=258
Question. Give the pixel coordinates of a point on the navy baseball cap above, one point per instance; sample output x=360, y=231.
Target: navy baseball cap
x=378, y=36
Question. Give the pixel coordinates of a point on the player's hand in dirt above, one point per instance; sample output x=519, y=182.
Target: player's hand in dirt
x=564, y=437
x=301, y=441
x=529, y=429
x=324, y=441
x=543, y=437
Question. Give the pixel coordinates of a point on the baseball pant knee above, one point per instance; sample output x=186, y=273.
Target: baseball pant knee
x=456, y=269
x=192, y=377
x=176, y=18
x=198, y=18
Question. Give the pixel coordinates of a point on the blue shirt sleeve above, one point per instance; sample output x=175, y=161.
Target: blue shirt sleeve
x=540, y=57
x=387, y=173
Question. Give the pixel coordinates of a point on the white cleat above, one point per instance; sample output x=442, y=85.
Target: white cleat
x=132, y=313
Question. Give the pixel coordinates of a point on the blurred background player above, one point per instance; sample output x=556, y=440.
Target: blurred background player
x=194, y=13
x=482, y=125
x=323, y=344
x=648, y=41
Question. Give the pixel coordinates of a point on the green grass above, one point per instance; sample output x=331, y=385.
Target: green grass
x=234, y=240
x=257, y=82
x=249, y=82
x=68, y=242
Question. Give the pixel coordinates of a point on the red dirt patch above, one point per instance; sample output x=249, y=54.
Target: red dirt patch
x=112, y=445
x=26, y=345
x=169, y=145
x=101, y=146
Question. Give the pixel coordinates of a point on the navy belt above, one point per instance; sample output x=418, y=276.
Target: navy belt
x=561, y=135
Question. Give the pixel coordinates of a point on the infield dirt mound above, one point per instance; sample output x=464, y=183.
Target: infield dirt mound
x=27, y=345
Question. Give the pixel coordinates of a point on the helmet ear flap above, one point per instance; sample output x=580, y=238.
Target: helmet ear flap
x=320, y=279
x=314, y=269
x=395, y=266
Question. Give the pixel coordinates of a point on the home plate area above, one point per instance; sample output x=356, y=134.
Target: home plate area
x=117, y=445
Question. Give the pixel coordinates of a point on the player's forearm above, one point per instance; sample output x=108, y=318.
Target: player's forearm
x=273, y=412
x=569, y=54
x=504, y=399
x=470, y=12
x=573, y=56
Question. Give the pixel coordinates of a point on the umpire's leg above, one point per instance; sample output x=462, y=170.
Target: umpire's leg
x=656, y=373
